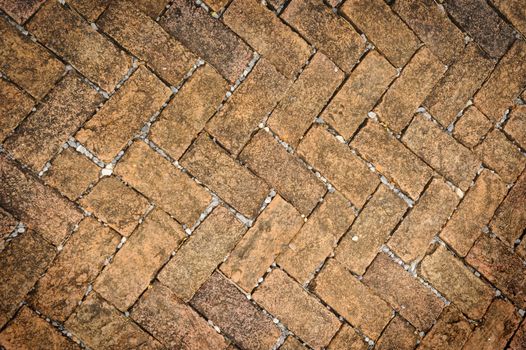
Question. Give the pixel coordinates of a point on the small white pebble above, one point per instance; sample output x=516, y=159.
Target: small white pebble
x=355, y=238
x=106, y=172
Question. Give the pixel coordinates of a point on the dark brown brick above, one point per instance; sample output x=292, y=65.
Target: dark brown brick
x=398, y=335
x=348, y=339
x=472, y=126
x=516, y=125
x=514, y=11
x=16, y=104
x=20, y=11
x=450, y=331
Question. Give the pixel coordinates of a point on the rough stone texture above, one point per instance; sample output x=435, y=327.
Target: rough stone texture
x=516, y=125
x=398, y=335
x=20, y=11
x=514, y=11
x=472, y=126
x=347, y=339
x=450, y=332
x=90, y=9
x=519, y=339
x=292, y=343
x=7, y=223
x=16, y=104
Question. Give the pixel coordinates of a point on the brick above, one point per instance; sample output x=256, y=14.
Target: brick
x=26, y=63
x=415, y=302
x=456, y=282
x=122, y=215
x=57, y=294
x=384, y=28
x=360, y=93
x=22, y=262
x=255, y=98
x=152, y=8
x=317, y=238
x=34, y=204
x=299, y=311
x=69, y=36
x=398, y=335
x=216, y=5
x=504, y=84
x=124, y=114
x=519, y=339
x=441, y=151
x=514, y=12
x=90, y=9
x=16, y=104
x=208, y=38
x=158, y=179
x=471, y=128
x=521, y=249
x=370, y=230
x=20, y=11
x=352, y=299
x=482, y=23
x=348, y=339
x=424, y=221
x=407, y=93
x=292, y=343
x=258, y=248
x=305, y=99
x=227, y=307
x=459, y=84
x=450, y=331
x=195, y=261
x=101, y=326
x=7, y=224
x=270, y=37
x=326, y=30
x=516, y=125
x=474, y=212
x=283, y=171
x=186, y=115
x=334, y=160
x=175, y=324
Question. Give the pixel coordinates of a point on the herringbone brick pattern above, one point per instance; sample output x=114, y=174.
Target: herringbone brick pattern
x=280, y=174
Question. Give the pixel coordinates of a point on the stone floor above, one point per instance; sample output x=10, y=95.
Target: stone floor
x=242, y=174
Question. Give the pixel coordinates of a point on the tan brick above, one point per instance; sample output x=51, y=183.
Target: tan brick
x=456, y=282
x=392, y=159
x=441, y=151
x=317, y=238
x=326, y=30
x=90, y=9
x=216, y=5
x=450, y=331
x=305, y=99
x=415, y=302
x=186, y=115
x=7, y=224
x=352, y=299
x=20, y=11
x=516, y=125
x=195, y=261
x=471, y=128
x=158, y=179
x=408, y=92
x=514, y=11
x=270, y=37
x=292, y=343
x=362, y=90
x=123, y=214
x=474, y=212
x=384, y=28
x=346, y=171
x=398, y=335
x=69, y=36
x=519, y=339
x=124, y=114
x=370, y=230
x=297, y=309
x=424, y=221
x=57, y=294
x=227, y=307
x=42, y=134
x=347, y=339
x=16, y=104
x=174, y=323
x=258, y=248
x=283, y=171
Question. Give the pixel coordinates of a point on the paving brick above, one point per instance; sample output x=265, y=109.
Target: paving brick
x=519, y=339
x=516, y=125
x=334, y=160
x=223, y=175
x=471, y=128
x=7, y=224
x=124, y=114
x=306, y=98
x=158, y=179
x=347, y=339
x=450, y=331
x=299, y=311
x=195, y=261
x=370, y=230
x=90, y=9
x=283, y=171
x=459, y=84
x=270, y=37
x=514, y=12
x=408, y=92
x=482, y=23
x=34, y=204
x=16, y=104
x=398, y=335
x=441, y=151
x=175, y=324
x=362, y=90
x=352, y=299
x=317, y=238
x=263, y=242
x=22, y=262
x=216, y=5
x=456, y=282
x=384, y=28
x=521, y=249
x=292, y=343
x=415, y=302
x=248, y=106
x=57, y=294
x=122, y=215
x=101, y=326
x=186, y=115
x=20, y=11
x=424, y=221
x=69, y=36
x=326, y=30
x=227, y=307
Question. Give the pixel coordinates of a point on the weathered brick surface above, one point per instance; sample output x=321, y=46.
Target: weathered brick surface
x=292, y=343
x=16, y=104
x=347, y=339
x=90, y=9
x=519, y=339
x=514, y=12
x=451, y=331
x=398, y=335
x=7, y=223
x=20, y=11
x=471, y=127
x=516, y=125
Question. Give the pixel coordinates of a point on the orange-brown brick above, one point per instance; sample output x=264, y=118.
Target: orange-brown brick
x=514, y=12
x=398, y=335
x=20, y=11
x=7, y=224
x=472, y=126
x=292, y=343
x=516, y=125
x=519, y=339
x=348, y=339
x=90, y=9
x=16, y=104
x=450, y=331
